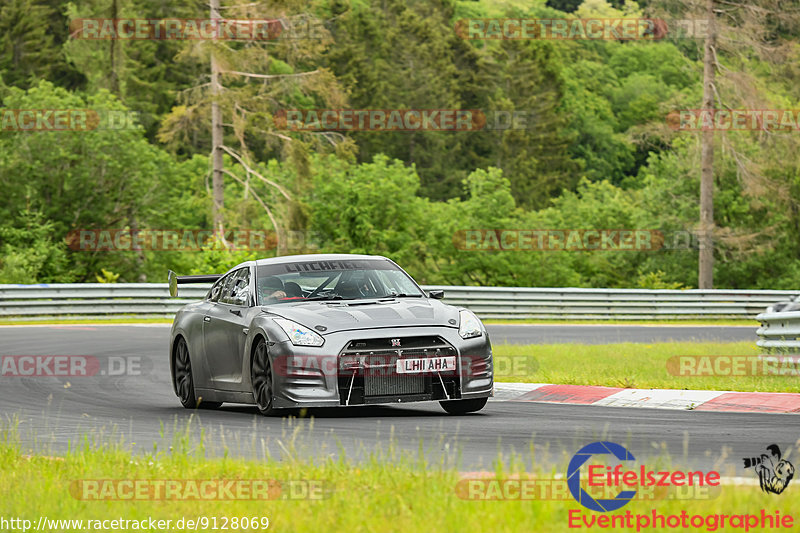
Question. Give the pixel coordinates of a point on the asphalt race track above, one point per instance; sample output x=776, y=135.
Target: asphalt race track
x=138, y=405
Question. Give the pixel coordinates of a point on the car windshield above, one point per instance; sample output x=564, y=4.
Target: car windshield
x=356, y=279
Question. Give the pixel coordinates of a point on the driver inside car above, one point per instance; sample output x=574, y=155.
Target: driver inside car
x=271, y=288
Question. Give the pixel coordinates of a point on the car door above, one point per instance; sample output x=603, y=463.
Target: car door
x=225, y=330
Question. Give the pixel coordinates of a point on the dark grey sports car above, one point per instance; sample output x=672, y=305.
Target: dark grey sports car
x=322, y=331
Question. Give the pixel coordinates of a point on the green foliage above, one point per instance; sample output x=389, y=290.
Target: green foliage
x=32, y=34
x=594, y=151
x=655, y=280
x=216, y=258
x=29, y=252
x=368, y=208
x=95, y=179
x=403, y=55
x=141, y=73
x=106, y=276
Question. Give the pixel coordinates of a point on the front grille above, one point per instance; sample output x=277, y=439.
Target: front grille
x=368, y=368
x=408, y=346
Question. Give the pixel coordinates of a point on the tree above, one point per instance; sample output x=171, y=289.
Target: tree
x=85, y=179
x=534, y=154
x=31, y=34
x=29, y=252
x=403, y=55
x=252, y=82
x=370, y=208
x=735, y=32
x=142, y=73
x=705, y=276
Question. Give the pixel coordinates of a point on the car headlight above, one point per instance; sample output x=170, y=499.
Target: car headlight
x=299, y=335
x=470, y=325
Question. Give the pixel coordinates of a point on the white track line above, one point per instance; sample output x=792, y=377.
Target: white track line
x=659, y=398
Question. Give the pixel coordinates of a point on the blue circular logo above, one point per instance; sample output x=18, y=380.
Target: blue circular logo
x=574, y=476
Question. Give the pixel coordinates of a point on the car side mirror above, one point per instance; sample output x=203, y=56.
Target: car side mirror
x=436, y=295
x=172, y=279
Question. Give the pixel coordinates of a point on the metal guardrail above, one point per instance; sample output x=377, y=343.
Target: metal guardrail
x=152, y=299
x=779, y=330
x=633, y=304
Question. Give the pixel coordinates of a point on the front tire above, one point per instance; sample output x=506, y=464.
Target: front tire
x=184, y=382
x=261, y=379
x=462, y=407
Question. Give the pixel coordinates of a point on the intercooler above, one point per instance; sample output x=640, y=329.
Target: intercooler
x=368, y=369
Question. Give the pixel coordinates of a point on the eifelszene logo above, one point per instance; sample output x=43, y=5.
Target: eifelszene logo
x=774, y=473
x=617, y=476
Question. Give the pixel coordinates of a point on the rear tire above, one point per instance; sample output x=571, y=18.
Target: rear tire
x=261, y=379
x=184, y=381
x=462, y=407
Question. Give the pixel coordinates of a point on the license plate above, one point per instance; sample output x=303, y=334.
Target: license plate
x=430, y=364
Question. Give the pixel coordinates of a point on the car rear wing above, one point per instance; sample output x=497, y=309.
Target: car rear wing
x=175, y=280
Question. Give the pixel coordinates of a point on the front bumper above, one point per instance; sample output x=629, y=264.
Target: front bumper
x=306, y=376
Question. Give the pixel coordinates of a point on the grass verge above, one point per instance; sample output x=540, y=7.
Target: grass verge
x=384, y=493
x=630, y=365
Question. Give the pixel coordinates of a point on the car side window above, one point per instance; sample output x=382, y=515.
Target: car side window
x=236, y=290
x=241, y=295
x=226, y=287
x=216, y=290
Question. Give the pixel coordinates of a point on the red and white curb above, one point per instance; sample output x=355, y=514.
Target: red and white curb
x=697, y=400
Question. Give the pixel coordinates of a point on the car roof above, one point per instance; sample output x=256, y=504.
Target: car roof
x=315, y=257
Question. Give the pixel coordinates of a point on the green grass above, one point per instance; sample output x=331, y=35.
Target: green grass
x=386, y=492
x=628, y=365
